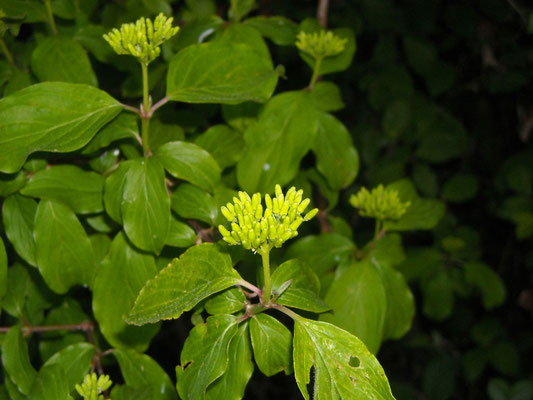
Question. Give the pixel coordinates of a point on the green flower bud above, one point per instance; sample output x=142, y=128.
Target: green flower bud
x=142, y=38
x=311, y=214
x=380, y=203
x=92, y=386
x=224, y=231
x=227, y=213
x=303, y=205
x=258, y=228
x=320, y=44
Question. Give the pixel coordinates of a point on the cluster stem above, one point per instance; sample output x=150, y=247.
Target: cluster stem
x=316, y=72
x=146, y=113
x=265, y=257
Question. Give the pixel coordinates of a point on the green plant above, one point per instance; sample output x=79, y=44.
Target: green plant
x=113, y=176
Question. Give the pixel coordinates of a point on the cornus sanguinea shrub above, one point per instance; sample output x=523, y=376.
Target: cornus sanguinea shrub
x=183, y=214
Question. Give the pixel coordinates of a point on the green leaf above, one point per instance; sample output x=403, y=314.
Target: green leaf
x=190, y=162
x=3, y=272
x=232, y=384
x=321, y=252
x=180, y=234
x=241, y=116
x=18, y=214
x=27, y=296
x=359, y=303
x=343, y=367
x=437, y=292
x=276, y=144
x=223, y=143
x=122, y=127
x=200, y=272
x=75, y=360
x=280, y=30
x=228, y=302
x=61, y=59
x=400, y=302
x=397, y=118
x=197, y=31
x=421, y=214
x=63, y=250
x=326, y=96
x=443, y=138
x=121, y=275
x=18, y=81
x=336, y=157
x=11, y=183
x=141, y=371
x=425, y=179
x=460, y=188
x=303, y=290
x=205, y=356
x=161, y=133
x=158, y=6
x=189, y=201
x=31, y=10
x=487, y=281
x=13, y=391
x=51, y=116
x=243, y=34
x=69, y=312
x=114, y=189
x=145, y=205
x=16, y=360
x=203, y=73
x=336, y=63
x=240, y=8
x=272, y=344
x=420, y=54
x=82, y=191
x=51, y=384
x=388, y=250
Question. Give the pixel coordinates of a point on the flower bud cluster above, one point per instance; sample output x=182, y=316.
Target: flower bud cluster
x=381, y=203
x=142, y=38
x=320, y=44
x=256, y=228
x=93, y=385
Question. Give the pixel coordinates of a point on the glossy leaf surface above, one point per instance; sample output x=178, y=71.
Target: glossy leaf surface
x=120, y=277
x=63, y=251
x=82, y=191
x=272, y=344
x=200, y=272
x=145, y=206
x=51, y=116
x=203, y=73
x=343, y=367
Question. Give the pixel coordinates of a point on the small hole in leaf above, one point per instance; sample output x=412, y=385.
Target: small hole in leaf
x=355, y=362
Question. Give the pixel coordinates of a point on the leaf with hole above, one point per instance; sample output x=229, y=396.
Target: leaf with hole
x=343, y=367
x=205, y=356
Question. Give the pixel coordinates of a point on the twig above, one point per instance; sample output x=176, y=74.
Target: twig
x=322, y=13
x=160, y=103
x=131, y=108
x=28, y=329
x=203, y=234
